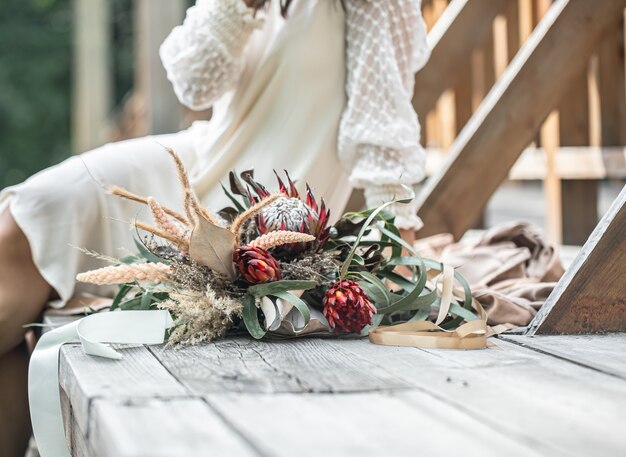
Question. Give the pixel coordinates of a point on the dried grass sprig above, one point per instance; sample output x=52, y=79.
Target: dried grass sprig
x=278, y=238
x=192, y=205
x=203, y=316
x=164, y=222
x=251, y=212
x=182, y=242
x=124, y=274
x=123, y=193
x=97, y=255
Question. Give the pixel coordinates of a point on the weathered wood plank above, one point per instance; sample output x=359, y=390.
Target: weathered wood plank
x=161, y=428
x=137, y=375
x=363, y=424
x=508, y=118
x=245, y=365
x=463, y=26
x=555, y=407
x=591, y=296
x=606, y=353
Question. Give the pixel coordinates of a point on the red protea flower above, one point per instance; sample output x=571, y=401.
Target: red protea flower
x=293, y=214
x=347, y=307
x=256, y=265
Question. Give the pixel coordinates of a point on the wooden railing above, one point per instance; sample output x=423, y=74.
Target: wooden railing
x=572, y=140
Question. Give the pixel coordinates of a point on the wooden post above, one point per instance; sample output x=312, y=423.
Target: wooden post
x=506, y=122
x=611, y=83
x=591, y=296
x=92, y=82
x=579, y=196
x=462, y=27
x=155, y=19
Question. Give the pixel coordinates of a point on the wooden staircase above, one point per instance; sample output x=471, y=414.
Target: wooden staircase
x=538, y=81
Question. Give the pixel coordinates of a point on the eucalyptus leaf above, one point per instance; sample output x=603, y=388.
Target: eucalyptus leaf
x=251, y=318
x=146, y=253
x=272, y=288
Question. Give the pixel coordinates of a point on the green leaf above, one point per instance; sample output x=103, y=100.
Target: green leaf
x=376, y=320
x=251, y=318
x=232, y=198
x=132, y=304
x=398, y=239
x=346, y=264
x=146, y=253
x=414, y=300
x=272, y=288
x=400, y=280
x=298, y=303
x=462, y=312
x=374, y=294
x=396, y=250
x=382, y=290
x=121, y=294
x=146, y=301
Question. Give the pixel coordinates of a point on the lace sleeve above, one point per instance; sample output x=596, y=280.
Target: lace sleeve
x=379, y=132
x=203, y=57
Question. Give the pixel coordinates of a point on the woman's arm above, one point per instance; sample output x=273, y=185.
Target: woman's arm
x=203, y=57
x=379, y=132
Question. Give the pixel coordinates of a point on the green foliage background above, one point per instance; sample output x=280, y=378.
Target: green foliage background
x=35, y=81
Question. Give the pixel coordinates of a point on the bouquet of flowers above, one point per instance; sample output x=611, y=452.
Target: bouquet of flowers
x=272, y=266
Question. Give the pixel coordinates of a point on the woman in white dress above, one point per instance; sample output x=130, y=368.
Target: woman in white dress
x=321, y=88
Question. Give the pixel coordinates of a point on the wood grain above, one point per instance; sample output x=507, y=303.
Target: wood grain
x=605, y=353
x=506, y=122
x=362, y=424
x=591, y=296
x=137, y=375
x=245, y=365
x=555, y=407
x=162, y=428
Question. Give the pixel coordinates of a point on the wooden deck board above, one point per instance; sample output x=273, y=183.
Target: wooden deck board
x=544, y=396
x=365, y=424
x=162, y=428
x=606, y=353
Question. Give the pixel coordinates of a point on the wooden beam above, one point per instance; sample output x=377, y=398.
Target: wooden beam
x=571, y=163
x=591, y=297
x=463, y=26
x=155, y=19
x=92, y=81
x=505, y=123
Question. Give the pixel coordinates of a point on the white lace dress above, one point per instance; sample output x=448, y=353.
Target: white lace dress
x=325, y=94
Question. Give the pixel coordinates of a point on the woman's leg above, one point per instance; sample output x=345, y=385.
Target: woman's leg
x=23, y=295
x=14, y=418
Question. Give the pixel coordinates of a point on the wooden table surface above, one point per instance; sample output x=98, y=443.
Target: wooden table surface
x=530, y=396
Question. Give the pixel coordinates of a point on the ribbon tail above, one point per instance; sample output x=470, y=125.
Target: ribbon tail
x=127, y=327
